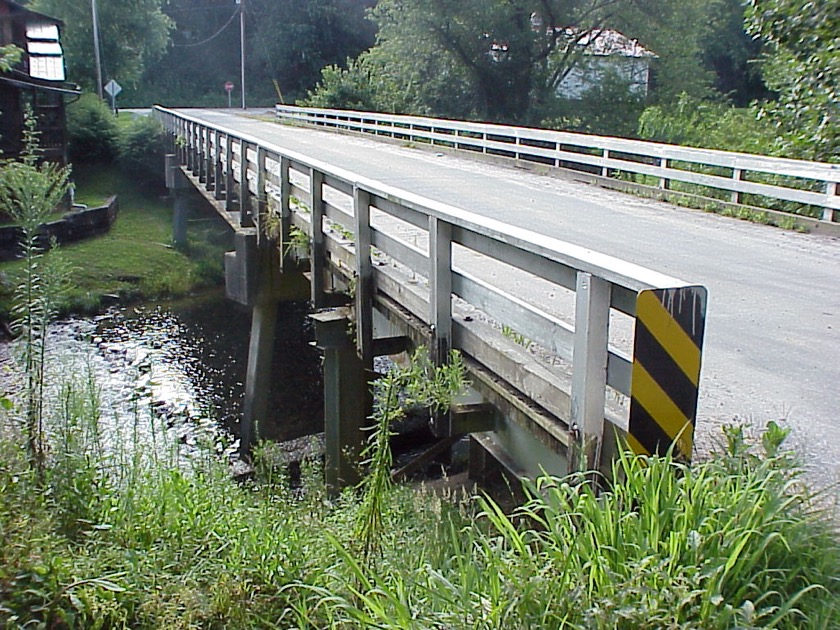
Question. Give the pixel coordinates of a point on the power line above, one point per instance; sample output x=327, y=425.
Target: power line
x=214, y=35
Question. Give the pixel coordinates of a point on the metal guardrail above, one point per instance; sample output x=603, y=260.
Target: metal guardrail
x=570, y=402
x=756, y=180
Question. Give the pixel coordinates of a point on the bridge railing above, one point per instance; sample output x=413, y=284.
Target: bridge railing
x=574, y=371
x=810, y=189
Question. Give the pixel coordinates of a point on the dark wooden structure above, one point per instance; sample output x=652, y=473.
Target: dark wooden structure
x=37, y=81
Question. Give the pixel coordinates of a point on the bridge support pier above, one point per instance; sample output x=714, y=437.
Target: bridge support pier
x=253, y=278
x=258, y=376
x=178, y=186
x=346, y=399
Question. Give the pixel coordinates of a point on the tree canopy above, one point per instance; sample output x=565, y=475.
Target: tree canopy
x=802, y=64
x=287, y=43
x=133, y=36
x=503, y=61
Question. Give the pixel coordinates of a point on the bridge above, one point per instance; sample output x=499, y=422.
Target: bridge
x=554, y=332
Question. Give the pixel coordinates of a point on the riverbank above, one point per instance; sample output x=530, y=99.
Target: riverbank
x=136, y=259
x=154, y=540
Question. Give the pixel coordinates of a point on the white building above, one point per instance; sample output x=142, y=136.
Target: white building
x=607, y=52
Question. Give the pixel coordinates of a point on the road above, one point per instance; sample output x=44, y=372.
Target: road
x=772, y=349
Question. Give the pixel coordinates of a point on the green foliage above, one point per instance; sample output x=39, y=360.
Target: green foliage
x=341, y=88
x=136, y=534
x=133, y=36
x=9, y=56
x=135, y=258
x=92, y=132
x=29, y=192
x=287, y=45
x=609, y=108
x=732, y=542
x=710, y=125
x=438, y=57
x=802, y=65
x=419, y=384
x=141, y=148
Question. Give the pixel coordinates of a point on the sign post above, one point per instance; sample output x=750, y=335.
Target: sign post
x=112, y=88
x=228, y=89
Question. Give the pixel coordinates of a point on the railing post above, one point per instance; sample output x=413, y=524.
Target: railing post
x=188, y=133
x=440, y=287
x=664, y=182
x=285, y=209
x=195, y=143
x=229, y=181
x=245, y=217
x=207, y=165
x=218, y=175
x=364, y=277
x=318, y=256
x=589, y=367
x=261, y=194
x=605, y=170
x=738, y=176
x=831, y=192
x=183, y=153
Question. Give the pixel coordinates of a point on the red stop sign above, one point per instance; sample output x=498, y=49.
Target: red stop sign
x=229, y=86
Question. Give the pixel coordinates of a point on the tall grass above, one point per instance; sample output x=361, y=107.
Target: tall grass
x=128, y=537
x=29, y=192
x=735, y=542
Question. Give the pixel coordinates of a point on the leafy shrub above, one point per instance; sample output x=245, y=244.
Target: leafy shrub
x=91, y=131
x=710, y=125
x=141, y=148
x=608, y=108
x=349, y=88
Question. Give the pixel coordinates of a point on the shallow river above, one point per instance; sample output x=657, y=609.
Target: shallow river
x=185, y=361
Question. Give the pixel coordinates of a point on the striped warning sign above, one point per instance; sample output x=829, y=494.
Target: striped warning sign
x=666, y=369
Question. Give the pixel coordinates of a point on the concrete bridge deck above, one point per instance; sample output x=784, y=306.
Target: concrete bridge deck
x=772, y=349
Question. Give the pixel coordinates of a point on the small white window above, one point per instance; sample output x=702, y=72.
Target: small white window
x=46, y=59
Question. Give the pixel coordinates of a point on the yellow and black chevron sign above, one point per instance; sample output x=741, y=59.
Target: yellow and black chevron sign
x=666, y=369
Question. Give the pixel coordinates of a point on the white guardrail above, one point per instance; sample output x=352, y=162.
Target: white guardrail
x=668, y=313
x=811, y=188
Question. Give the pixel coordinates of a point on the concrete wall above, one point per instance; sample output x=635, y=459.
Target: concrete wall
x=74, y=226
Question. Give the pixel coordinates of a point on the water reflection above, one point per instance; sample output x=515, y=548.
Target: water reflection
x=187, y=360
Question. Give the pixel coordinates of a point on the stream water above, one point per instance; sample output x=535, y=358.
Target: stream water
x=185, y=361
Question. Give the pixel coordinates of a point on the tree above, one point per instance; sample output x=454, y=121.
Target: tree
x=502, y=60
x=9, y=56
x=802, y=64
x=293, y=40
x=133, y=36
x=508, y=54
x=287, y=43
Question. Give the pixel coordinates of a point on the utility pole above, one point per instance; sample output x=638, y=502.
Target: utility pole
x=241, y=4
x=96, y=58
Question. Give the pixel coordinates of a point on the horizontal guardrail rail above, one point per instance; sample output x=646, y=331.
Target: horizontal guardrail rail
x=563, y=379
x=758, y=181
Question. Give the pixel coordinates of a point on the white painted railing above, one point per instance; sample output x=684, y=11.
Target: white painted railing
x=601, y=287
x=744, y=178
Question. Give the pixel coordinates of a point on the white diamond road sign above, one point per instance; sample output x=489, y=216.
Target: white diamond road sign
x=113, y=88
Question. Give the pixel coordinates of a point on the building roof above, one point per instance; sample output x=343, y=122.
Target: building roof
x=14, y=8
x=607, y=42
